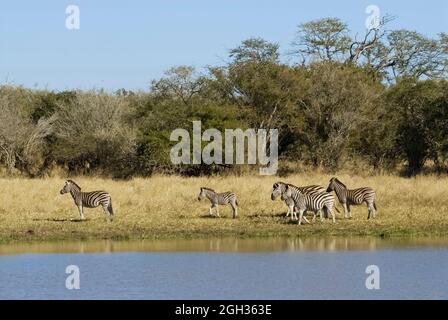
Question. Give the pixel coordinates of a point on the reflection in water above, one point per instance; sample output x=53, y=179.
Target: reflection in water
x=221, y=245
x=227, y=269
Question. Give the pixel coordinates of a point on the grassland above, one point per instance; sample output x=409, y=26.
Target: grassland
x=165, y=207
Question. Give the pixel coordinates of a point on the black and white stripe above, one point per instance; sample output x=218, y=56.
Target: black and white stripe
x=315, y=202
x=88, y=199
x=279, y=188
x=216, y=199
x=353, y=197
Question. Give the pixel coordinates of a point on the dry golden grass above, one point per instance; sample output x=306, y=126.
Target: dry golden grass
x=167, y=207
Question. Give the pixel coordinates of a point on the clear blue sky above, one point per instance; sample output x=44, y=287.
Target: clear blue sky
x=125, y=44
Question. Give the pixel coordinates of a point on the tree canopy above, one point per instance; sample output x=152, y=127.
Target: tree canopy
x=376, y=102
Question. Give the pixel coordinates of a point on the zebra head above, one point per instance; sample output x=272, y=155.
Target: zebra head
x=333, y=183
x=69, y=186
x=201, y=195
x=276, y=190
x=287, y=193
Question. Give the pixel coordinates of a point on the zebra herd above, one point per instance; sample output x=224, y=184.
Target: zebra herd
x=320, y=200
x=314, y=198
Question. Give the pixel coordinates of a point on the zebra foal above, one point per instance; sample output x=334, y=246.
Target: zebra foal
x=88, y=199
x=219, y=199
x=315, y=202
x=353, y=197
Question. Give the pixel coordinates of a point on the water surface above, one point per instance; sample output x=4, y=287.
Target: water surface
x=227, y=269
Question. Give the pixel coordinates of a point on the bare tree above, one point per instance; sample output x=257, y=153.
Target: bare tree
x=15, y=129
x=371, y=40
x=90, y=128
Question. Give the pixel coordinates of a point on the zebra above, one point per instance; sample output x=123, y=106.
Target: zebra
x=88, y=199
x=353, y=197
x=219, y=199
x=278, y=189
x=315, y=202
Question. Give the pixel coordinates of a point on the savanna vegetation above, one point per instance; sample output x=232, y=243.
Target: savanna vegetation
x=166, y=207
x=374, y=104
x=374, y=110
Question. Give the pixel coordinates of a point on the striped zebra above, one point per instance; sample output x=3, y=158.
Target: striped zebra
x=315, y=202
x=278, y=189
x=353, y=197
x=88, y=199
x=219, y=199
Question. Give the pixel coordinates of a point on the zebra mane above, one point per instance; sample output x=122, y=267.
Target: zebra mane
x=292, y=187
x=275, y=185
x=339, y=182
x=205, y=188
x=74, y=183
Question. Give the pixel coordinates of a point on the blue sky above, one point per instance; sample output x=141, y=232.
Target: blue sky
x=125, y=44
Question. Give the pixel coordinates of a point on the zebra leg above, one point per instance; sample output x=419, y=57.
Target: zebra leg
x=217, y=211
x=344, y=205
x=235, y=209
x=306, y=220
x=289, y=212
x=369, y=210
x=213, y=206
x=372, y=211
x=293, y=212
x=314, y=216
x=210, y=211
x=349, y=212
x=81, y=212
x=320, y=215
x=331, y=212
x=300, y=216
x=107, y=213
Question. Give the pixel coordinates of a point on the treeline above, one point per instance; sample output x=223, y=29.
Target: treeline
x=381, y=101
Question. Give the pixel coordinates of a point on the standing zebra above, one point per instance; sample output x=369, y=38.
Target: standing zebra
x=88, y=199
x=219, y=199
x=315, y=202
x=278, y=189
x=353, y=197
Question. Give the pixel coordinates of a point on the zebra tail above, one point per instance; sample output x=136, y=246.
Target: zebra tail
x=109, y=208
x=236, y=201
x=374, y=205
x=336, y=208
